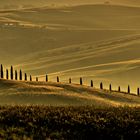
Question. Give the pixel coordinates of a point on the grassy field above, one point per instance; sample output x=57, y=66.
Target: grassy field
x=83, y=122
x=61, y=94
x=57, y=111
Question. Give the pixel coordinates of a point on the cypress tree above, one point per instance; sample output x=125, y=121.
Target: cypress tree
x=128, y=89
x=25, y=77
x=91, y=83
x=110, y=87
x=138, y=91
x=81, y=81
x=7, y=74
x=11, y=72
x=16, y=75
x=20, y=75
x=30, y=78
x=57, y=79
x=119, y=89
x=46, y=78
x=37, y=79
x=2, y=73
x=70, y=80
x=101, y=85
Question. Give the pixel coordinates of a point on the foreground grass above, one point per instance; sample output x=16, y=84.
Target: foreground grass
x=41, y=122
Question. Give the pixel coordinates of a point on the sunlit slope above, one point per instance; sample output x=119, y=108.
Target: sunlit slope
x=13, y=93
x=94, y=41
x=78, y=17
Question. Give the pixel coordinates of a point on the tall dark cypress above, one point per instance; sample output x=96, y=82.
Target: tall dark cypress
x=119, y=89
x=25, y=77
x=30, y=78
x=91, y=83
x=16, y=75
x=11, y=72
x=101, y=85
x=46, y=78
x=2, y=73
x=70, y=80
x=7, y=74
x=37, y=79
x=110, y=87
x=128, y=89
x=57, y=79
x=20, y=75
x=138, y=91
x=81, y=81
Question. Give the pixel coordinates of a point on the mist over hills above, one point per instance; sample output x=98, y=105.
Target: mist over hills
x=99, y=42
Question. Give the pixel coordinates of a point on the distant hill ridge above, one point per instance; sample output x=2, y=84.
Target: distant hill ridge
x=57, y=94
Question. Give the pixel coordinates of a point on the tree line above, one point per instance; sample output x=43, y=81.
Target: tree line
x=15, y=75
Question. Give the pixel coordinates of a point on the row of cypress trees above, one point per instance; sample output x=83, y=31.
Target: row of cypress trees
x=13, y=75
x=101, y=86
x=110, y=86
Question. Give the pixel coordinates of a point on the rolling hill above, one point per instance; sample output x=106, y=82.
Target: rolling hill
x=61, y=94
x=96, y=40
x=99, y=42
